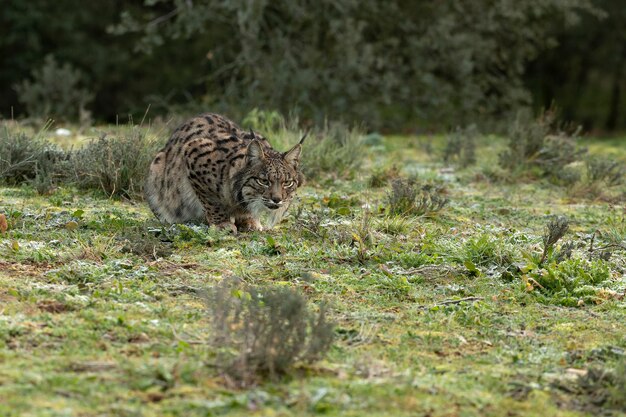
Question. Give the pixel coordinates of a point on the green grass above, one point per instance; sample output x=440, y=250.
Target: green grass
x=102, y=313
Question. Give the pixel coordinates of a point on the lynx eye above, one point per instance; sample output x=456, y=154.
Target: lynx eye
x=289, y=184
x=263, y=182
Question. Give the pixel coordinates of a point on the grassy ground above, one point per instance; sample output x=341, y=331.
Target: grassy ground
x=440, y=315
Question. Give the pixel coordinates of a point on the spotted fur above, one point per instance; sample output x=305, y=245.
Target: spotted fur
x=212, y=170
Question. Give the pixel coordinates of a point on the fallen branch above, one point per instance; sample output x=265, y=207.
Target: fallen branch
x=593, y=250
x=451, y=302
x=420, y=270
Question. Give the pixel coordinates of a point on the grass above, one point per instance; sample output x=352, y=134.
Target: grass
x=103, y=312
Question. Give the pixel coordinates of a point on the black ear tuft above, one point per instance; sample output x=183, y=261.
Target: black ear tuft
x=304, y=137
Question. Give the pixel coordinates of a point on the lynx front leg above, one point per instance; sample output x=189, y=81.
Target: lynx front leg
x=247, y=224
x=216, y=215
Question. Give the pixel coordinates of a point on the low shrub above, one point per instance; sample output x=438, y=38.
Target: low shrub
x=540, y=145
x=261, y=332
x=605, y=171
x=461, y=146
x=116, y=164
x=30, y=159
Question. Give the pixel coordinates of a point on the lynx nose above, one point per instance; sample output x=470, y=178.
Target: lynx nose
x=273, y=203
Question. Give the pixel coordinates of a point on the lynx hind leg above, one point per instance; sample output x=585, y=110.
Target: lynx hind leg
x=153, y=188
x=171, y=196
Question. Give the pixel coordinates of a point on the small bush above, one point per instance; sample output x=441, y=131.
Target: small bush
x=604, y=170
x=30, y=159
x=540, y=145
x=408, y=197
x=19, y=154
x=461, y=146
x=601, y=176
x=116, y=165
x=262, y=332
x=55, y=92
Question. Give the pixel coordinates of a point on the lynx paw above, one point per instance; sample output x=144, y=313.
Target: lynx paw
x=248, y=225
x=227, y=226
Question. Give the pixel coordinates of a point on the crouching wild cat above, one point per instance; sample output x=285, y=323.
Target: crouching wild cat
x=212, y=170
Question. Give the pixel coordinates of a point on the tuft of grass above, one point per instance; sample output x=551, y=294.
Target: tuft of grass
x=382, y=176
x=484, y=250
x=396, y=225
x=331, y=150
x=572, y=282
x=409, y=197
x=573, y=279
x=261, y=332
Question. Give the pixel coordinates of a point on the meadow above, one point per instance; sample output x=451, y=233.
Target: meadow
x=464, y=275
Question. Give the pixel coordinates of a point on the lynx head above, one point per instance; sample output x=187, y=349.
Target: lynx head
x=270, y=179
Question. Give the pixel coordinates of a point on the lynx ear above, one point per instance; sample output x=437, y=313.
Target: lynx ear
x=293, y=156
x=255, y=151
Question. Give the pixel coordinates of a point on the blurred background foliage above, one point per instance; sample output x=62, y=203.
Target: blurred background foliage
x=394, y=65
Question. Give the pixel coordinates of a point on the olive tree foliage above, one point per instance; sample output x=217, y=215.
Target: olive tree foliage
x=378, y=62
x=55, y=91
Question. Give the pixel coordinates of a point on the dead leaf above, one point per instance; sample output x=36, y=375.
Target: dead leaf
x=92, y=366
x=71, y=225
x=155, y=397
x=3, y=223
x=53, y=306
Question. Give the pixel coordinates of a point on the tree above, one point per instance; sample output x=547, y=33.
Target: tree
x=390, y=64
x=586, y=73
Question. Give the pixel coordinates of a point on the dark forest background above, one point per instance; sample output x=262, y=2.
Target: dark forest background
x=392, y=65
